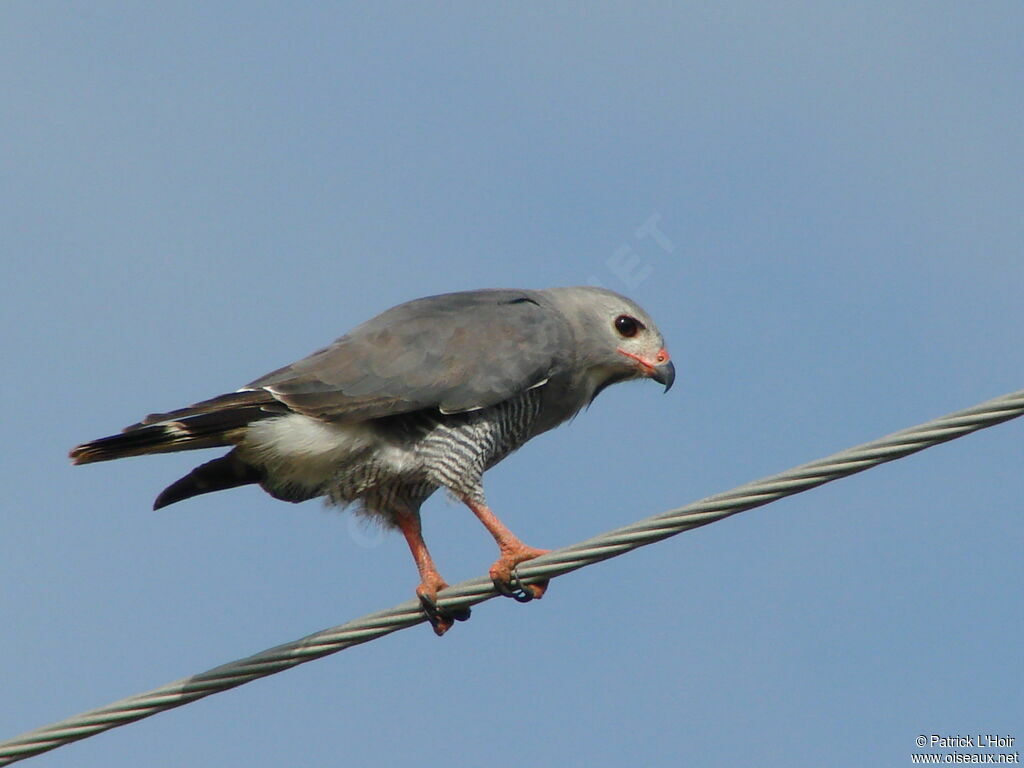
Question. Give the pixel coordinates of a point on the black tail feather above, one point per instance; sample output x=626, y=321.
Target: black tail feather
x=231, y=402
x=205, y=430
x=222, y=473
x=160, y=438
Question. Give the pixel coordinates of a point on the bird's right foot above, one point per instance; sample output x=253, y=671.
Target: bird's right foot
x=440, y=619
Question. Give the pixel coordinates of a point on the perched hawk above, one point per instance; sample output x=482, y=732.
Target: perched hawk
x=429, y=394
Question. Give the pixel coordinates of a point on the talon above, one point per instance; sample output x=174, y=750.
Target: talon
x=440, y=619
x=504, y=588
x=506, y=580
x=461, y=614
x=521, y=593
x=513, y=552
x=536, y=590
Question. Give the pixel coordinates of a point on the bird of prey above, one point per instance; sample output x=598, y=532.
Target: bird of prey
x=428, y=394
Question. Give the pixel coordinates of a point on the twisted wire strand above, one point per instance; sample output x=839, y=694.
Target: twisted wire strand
x=555, y=563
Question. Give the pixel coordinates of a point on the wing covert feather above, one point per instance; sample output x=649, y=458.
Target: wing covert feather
x=456, y=352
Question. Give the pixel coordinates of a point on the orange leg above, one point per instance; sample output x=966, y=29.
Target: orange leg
x=430, y=580
x=513, y=552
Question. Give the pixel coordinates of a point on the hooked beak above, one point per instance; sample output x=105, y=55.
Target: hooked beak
x=660, y=369
x=665, y=374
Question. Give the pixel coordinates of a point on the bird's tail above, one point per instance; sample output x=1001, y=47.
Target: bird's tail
x=156, y=438
x=209, y=424
x=228, y=471
x=219, y=421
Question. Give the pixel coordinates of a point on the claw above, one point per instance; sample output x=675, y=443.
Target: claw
x=440, y=619
x=506, y=579
x=521, y=593
x=461, y=614
x=513, y=552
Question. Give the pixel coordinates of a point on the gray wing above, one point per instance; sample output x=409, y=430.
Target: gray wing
x=456, y=352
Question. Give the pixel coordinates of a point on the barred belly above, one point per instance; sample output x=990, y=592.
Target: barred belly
x=429, y=450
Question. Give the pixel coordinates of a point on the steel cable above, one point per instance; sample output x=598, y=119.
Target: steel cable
x=555, y=563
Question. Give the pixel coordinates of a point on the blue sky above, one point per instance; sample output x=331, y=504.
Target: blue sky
x=197, y=193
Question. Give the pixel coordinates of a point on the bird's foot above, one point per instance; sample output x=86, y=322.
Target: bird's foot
x=505, y=579
x=440, y=619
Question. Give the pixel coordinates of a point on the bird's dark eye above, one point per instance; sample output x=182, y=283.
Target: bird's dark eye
x=628, y=326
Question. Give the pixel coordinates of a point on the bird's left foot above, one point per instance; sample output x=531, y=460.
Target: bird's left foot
x=504, y=578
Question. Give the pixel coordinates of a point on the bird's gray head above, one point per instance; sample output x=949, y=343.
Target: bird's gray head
x=616, y=339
